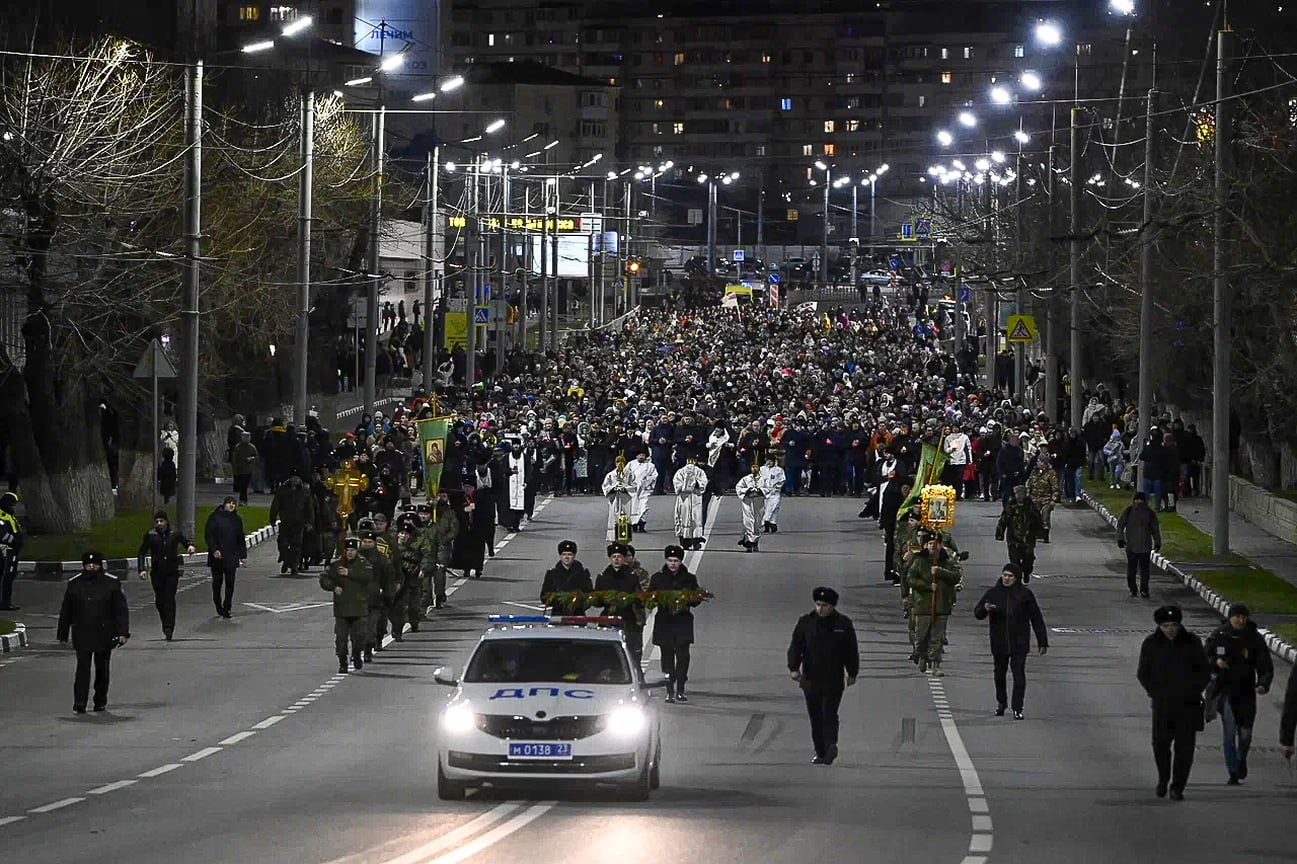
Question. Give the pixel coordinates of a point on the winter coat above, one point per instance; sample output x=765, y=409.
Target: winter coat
x=1154, y=461
x=920, y=580
x=353, y=602
x=1019, y=522
x=1139, y=530
x=625, y=580
x=293, y=506
x=824, y=650
x=673, y=628
x=224, y=533
x=163, y=550
x=94, y=610
x=1173, y=672
x=244, y=458
x=1015, y=615
x=1009, y=463
x=1249, y=663
x=563, y=579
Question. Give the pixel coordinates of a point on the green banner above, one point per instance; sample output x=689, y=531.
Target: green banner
x=432, y=444
x=931, y=463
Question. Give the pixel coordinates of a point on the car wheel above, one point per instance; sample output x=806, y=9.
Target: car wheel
x=639, y=789
x=655, y=773
x=448, y=790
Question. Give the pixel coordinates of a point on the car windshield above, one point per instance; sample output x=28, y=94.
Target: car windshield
x=499, y=661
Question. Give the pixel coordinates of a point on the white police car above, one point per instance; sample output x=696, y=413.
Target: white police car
x=549, y=700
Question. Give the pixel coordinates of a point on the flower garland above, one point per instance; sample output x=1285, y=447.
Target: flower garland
x=671, y=601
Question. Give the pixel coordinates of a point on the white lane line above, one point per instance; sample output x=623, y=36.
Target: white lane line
x=201, y=754
x=458, y=835
x=159, y=771
x=57, y=805
x=9, y=820
x=981, y=840
x=529, y=606
x=237, y=737
x=268, y=722
x=495, y=835
x=112, y=787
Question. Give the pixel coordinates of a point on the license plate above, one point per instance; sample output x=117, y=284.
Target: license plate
x=539, y=750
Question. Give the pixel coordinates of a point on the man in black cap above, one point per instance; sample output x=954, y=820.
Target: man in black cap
x=1243, y=671
x=567, y=575
x=673, y=631
x=1138, y=533
x=1173, y=671
x=347, y=579
x=162, y=546
x=94, y=611
x=619, y=575
x=823, y=653
x=1014, y=613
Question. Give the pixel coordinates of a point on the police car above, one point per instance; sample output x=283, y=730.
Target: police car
x=550, y=700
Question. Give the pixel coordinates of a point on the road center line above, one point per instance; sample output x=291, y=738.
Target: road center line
x=981, y=839
x=268, y=722
x=201, y=754
x=458, y=835
x=112, y=787
x=237, y=737
x=57, y=805
x=159, y=771
x=9, y=820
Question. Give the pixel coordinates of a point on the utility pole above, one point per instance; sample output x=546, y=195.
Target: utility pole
x=711, y=226
x=824, y=232
x=1051, y=318
x=553, y=269
x=1075, y=268
x=375, y=277
x=188, y=467
x=304, y=202
x=429, y=270
x=503, y=271
x=761, y=217
x=1146, y=293
x=543, y=324
x=1019, y=349
x=1220, y=379
x=992, y=294
x=472, y=259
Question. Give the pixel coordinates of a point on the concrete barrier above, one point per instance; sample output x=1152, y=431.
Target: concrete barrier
x=1265, y=510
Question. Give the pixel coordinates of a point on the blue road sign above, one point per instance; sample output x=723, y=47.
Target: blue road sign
x=923, y=227
x=907, y=230
x=774, y=278
x=894, y=263
x=486, y=293
x=481, y=314
x=965, y=295
x=738, y=254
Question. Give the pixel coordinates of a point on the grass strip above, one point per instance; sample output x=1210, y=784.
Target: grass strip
x=120, y=536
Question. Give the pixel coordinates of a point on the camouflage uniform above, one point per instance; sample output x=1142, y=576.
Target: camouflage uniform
x=1019, y=526
x=409, y=604
x=441, y=536
x=933, y=598
x=1042, y=486
x=381, y=587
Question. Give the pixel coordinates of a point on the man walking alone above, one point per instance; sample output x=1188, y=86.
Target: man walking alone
x=822, y=655
x=1138, y=533
x=94, y=612
x=1014, y=614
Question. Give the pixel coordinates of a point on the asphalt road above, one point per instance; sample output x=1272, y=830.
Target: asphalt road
x=346, y=772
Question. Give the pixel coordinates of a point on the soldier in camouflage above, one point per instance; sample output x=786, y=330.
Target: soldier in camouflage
x=1042, y=486
x=440, y=535
x=411, y=547
x=1019, y=526
x=382, y=586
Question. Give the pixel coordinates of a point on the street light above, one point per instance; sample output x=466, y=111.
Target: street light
x=967, y=118
x=452, y=84
x=1049, y=33
x=944, y=138
x=297, y=26
x=393, y=62
x=997, y=156
x=1001, y=95
x=982, y=164
x=358, y=82
x=1122, y=7
x=1021, y=137
x=423, y=97
x=495, y=126
x=256, y=47
x=1030, y=81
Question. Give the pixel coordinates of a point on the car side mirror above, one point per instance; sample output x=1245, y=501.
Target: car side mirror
x=654, y=680
x=445, y=675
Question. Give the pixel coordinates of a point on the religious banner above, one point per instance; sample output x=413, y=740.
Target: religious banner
x=931, y=463
x=938, y=507
x=432, y=446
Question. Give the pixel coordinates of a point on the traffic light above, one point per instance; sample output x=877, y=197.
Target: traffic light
x=632, y=267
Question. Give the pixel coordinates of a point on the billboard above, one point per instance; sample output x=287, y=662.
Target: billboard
x=393, y=26
x=573, y=256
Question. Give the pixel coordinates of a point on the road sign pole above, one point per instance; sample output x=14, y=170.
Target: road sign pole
x=153, y=351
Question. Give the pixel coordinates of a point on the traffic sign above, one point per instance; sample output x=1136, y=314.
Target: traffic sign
x=486, y=293
x=738, y=254
x=1022, y=328
x=774, y=278
x=923, y=228
x=481, y=314
x=907, y=230
x=894, y=263
x=965, y=294
x=154, y=359
x=695, y=216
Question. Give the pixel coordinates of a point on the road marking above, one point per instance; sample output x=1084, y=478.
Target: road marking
x=237, y=737
x=57, y=805
x=495, y=835
x=201, y=754
x=158, y=772
x=459, y=835
x=981, y=838
x=112, y=787
x=9, y=820
x=268, y=722
x=530, y=606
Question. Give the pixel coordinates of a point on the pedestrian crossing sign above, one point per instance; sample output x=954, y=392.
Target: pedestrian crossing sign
x=1021, y=328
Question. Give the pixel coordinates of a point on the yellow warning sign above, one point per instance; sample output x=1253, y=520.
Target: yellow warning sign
x=1022, y=328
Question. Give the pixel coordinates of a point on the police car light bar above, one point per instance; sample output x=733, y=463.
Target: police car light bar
x=554, y=619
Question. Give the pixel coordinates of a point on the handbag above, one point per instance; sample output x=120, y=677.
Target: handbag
x=1211, y=701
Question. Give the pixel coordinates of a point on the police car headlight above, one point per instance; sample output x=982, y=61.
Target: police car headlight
x=626, y=720
x=458, y=718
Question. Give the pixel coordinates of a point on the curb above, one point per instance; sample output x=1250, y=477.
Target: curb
x=15, y=640
x=1279, y=647
x=127, y=565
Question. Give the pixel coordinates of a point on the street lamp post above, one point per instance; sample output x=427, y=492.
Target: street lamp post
x=304, y=203
x=824, y=231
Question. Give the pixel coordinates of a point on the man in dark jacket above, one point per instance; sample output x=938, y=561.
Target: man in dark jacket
x=227, y=551
x=347, y=579
x=162, y=546
x=1138, y=533
x=1010, y=464
x=673, y=629
x=619, y=576
x=1014, y=613
x=294, y=508
x=1243, y=669
x=1173, y=671
x=94, y=611
x=822, y=655
x=567, y=575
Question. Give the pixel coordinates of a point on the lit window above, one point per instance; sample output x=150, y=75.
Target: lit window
x=678, y=128
x=679, y=58
x=761, y=150
x=945, y=77
x=659, y=103
x=1019, y=51
x=829, y=125
x=657, y=128
x=283, y=13
x=765, y=58
x=923, y=100
x=1084, y=48
x=968, y=52
x=490, y=40
x=945, y=53
x=808, y=149
x=851, y=76
x=249, y=13
x=829, y=149
x=810, y=173
x=853, y=125
x=785, y=104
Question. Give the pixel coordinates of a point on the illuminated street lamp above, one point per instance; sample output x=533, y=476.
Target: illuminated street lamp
x=967, y=118
x=1001, y=95
x=944, y=138
x=1048, y=33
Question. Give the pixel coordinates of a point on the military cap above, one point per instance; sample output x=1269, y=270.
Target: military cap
x=567, y=546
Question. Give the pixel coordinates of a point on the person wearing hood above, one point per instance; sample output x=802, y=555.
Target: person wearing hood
x=824, y=658
x=1014, y=614
x=1243, y=670
x=1173, y=670
x=1140, y=535
x=95, y=615
x=1114, y=453
x=227, y=551
x=161, y=546
x=12, y=540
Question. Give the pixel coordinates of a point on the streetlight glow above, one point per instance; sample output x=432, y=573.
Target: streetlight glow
x=821, y=166
x=702, y=178
x=393, y=62
x=496, y=126
x=550, y=146
x=1122, y=7
x=258, y=46
x=297, y=26
x=1030, y=80
x=982, y=164
x=452, y=84
x=934, y=170
x=1021, y=137
x=450, y=167
x=1001, y=95
x=423, y=97
x=1048, y=33
x=958, y=165
x=945, y=139
x=997, y=156
x=882, y=169
x=356, y=82
x=967, y=118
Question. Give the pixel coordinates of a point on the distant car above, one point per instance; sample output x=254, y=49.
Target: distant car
x=876, y=277
x=696, y=266
x=548, y=702
x=795, y=267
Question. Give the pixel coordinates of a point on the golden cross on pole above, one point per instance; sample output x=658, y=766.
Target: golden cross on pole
x=347, y=483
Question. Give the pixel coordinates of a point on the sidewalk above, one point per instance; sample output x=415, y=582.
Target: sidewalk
x=1256, y=544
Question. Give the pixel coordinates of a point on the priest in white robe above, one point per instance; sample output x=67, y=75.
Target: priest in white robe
x=646, y=478
x=689, y=483
x=751, y=504
x=771, y=482
x=617, y=486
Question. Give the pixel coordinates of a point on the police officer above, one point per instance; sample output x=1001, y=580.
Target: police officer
x=162, y=545
x=567, y=575
x=11, y=544
x=620, y=576
x=94, y=611
x=348, y=580
x=439, y=536
x=822, y=654
x=1173, y=671
x=382, y=587
x=673, y=631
